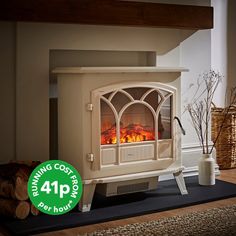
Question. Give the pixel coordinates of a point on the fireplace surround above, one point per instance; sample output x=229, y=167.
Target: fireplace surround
x=116, y=126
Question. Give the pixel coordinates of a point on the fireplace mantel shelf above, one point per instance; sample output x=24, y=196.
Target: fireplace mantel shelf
x=126, y=69
x=106, y=12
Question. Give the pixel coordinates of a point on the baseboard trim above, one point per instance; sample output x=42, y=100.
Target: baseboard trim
x=190, y=157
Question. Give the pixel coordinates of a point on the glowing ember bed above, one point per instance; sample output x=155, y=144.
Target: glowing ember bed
x=116, y=126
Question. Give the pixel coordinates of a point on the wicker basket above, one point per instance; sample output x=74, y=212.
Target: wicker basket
x=226, y=143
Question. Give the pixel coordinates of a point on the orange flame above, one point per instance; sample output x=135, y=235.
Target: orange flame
x=129, y=134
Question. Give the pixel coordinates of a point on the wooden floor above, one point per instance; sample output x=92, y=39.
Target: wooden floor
x=226, y=175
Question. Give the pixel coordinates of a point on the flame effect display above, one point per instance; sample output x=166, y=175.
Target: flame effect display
x=129, y=134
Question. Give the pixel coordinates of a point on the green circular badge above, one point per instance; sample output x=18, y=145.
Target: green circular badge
x=55, y=187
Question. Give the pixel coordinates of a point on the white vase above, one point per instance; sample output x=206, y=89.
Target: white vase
x=206, y=170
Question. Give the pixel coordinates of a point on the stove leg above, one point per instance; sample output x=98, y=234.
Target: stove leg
x=87, y=197
x=180, y=182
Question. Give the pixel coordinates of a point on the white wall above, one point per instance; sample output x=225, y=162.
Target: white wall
x=195, y=55
x=7, y=91
x=219, y=48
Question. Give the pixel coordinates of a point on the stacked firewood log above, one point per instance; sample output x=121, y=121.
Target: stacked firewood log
x=14, y=199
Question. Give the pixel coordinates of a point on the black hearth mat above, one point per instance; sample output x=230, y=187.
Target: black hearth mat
x=166, y=197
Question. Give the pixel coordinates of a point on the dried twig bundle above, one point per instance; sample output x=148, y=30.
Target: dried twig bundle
x=200, y=109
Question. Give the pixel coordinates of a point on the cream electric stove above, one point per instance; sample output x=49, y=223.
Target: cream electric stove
x=117, y=126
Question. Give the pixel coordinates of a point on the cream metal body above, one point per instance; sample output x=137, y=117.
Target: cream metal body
x=80, y=91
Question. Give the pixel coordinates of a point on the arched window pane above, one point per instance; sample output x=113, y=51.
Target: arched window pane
x=153, y=99
x=136, y=93
x=107, y=95
x=164, y=120
x=108, y=125
x=119, y=100
x=164, y=93
x=137, y=124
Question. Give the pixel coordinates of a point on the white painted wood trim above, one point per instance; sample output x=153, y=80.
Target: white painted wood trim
x=190, y=156
x=123, y=69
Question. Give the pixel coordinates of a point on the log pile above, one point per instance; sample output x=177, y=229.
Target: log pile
x=14, y=199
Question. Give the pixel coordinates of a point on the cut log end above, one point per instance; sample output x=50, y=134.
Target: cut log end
x=7, y=188
x=34, y=211
x=14, y=189
x=21, y=191
x=22, y=210
x=14, y=208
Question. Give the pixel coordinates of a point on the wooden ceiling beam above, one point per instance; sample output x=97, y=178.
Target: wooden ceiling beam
x=108, y=12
